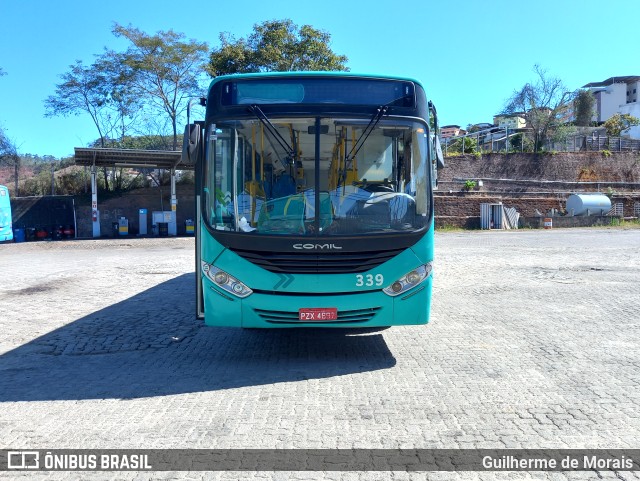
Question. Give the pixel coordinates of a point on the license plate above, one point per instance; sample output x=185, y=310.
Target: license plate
x=318, y=314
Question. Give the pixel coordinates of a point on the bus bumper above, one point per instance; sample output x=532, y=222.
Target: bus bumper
x=358, y=309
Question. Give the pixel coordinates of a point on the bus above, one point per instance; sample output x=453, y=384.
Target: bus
x=6, y=227
x=314, y=200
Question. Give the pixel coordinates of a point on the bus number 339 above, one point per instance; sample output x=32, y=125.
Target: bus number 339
x=369, y=280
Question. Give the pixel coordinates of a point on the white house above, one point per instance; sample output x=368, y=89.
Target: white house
x=617, y=95
x=517, y=120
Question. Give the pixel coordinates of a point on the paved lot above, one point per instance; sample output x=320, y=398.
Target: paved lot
x=534, y=343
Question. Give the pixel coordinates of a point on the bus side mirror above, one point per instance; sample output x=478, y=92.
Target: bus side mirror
x=191, y=143
x=436, y=140
x=439, y=156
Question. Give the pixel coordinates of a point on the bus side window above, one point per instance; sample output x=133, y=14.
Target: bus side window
x=409, y=185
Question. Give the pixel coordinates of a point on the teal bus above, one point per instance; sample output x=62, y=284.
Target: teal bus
x=314, y=196
x=6, y=226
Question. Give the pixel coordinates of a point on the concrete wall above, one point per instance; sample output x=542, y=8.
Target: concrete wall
x=463, y=210
x=561, y=222
x=547, y=173
x=128, y=206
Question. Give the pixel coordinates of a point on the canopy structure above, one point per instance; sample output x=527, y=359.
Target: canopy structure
x=153, y=159
x=145, y=159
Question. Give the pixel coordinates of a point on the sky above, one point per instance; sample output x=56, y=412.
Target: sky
x=469, y=55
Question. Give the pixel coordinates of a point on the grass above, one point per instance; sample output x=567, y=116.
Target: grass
x=627, y=223
x=450, y=228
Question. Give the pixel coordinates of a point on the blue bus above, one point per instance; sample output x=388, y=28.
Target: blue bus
x=314, y=196
x=6, y=226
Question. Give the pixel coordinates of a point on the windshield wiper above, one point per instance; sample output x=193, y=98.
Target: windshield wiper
x=257, y=111
x=381, y=112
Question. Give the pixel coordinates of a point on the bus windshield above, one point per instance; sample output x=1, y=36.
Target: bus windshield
x=262, y=175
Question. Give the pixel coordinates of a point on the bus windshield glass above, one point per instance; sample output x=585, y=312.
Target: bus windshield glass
x=262, y=176
x=311, y=90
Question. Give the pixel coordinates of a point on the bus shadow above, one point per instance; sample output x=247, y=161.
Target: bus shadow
x=151, y=345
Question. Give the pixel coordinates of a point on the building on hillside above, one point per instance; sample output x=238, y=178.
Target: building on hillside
x=617, y=95
x=448, y=131
x=516, y=120
x=480, y=127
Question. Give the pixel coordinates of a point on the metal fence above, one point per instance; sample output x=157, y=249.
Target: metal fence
x=585, y=143
x=497, y=140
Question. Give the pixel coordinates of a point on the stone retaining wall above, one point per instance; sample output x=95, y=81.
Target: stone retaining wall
x=598, y=167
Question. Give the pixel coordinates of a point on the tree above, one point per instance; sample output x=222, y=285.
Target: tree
x=165, y=69
x=520, y=142
x=87, y=89
x=234, y=56
x=545, y=103
x=101, y=90
x=9, y=156
x=466, y=145
x=618, y=123
x=583, y=105
x=141, y=142
x=562, y=133
x=276, y=46
x=122, y=100
x=8, y=151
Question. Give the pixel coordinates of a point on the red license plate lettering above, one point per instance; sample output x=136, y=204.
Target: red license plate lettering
x=318, y=314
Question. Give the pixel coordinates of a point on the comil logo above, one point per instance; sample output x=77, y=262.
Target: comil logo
x=23, y=460
x=316, y=246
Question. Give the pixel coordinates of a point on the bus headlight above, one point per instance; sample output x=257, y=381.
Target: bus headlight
x=225, y=281
x=409, y=280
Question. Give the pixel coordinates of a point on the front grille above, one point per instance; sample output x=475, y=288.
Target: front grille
x=289, y=317
x=325, y=262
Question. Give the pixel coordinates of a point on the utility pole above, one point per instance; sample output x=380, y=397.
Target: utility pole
x=506, y=140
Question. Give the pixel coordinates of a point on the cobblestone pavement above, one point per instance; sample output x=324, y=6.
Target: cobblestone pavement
x=534, y=343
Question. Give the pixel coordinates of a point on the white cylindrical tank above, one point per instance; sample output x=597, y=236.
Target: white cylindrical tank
x=588, y=204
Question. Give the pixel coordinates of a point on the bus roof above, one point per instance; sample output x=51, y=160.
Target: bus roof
x=309, y=73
